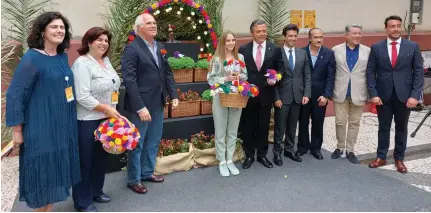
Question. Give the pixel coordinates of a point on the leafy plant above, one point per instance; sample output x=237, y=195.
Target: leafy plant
x=202, y=141
x=187, y=62
x=206, y=95
x=276, y=15
x=19, y=16
x=202, y=64
x=175, y=63
x=187, y=96
x=171, y=147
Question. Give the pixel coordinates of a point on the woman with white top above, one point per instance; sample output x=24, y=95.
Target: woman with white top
x=97, y=85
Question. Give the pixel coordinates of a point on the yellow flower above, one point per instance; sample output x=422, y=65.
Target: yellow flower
x=210, y=25
x=110, y=132
x=154, y=6
x=240, y=88
x=118, y=141
x=121, y=123
x=197, y=5
x=119, y=149
x=217, y=85
x=279, y=76
x=112, y=120
x=125, y=138
x=100, y=129
x=111, y=144
x=175, y=1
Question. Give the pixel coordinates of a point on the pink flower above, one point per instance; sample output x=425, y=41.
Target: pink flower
x=120, y=131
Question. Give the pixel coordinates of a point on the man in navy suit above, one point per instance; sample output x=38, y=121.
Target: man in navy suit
x=322, y=85
x=148, y=80
x=395, y=79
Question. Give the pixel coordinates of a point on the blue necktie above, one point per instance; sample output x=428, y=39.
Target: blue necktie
x=291, y=60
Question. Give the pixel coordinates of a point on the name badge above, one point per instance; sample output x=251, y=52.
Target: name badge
x=69, y=94
x=114, y=98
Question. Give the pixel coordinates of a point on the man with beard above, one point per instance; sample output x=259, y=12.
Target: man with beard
x=259, y=55
x=395, y=78
x=322, y=85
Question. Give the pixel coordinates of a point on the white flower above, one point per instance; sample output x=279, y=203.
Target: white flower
x=213, y=92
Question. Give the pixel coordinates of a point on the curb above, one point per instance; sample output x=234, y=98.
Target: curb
x=412, y=153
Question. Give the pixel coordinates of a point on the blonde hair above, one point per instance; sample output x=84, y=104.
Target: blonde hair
x=221, y=46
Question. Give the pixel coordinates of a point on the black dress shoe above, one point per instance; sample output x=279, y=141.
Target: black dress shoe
x=247, y=163
x=102, y=198
x=298, y=153
x=277, y=160
x=265, y=162
x=336, y=154
x=90, y=208
x=352, y=158
x=294, y=157
x=317, y=155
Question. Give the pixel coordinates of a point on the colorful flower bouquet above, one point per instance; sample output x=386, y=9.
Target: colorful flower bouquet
x=238, y=86
x=273, y=76
x=117, y=135
x=234, y=66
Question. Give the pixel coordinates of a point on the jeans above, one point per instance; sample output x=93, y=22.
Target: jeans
x=142, y=160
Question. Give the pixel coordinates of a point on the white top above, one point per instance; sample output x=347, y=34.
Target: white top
x=94, y=84
x=255, y=45
x=286, y=50
x=390, y=47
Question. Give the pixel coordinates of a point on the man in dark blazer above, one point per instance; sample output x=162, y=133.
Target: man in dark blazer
x=259, y=55
x=293, y=90
x=148, y=80
x=322, y=64
x=395, y=79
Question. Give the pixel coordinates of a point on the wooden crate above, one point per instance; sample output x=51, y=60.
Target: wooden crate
x=200, y=75
x=183, y=75
x=206, y=107
x=166, y=111
x=186, y=109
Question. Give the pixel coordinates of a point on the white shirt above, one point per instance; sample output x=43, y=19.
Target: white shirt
x=263, y=48
x=389, y=41
x=93, y=85
x=286, y=50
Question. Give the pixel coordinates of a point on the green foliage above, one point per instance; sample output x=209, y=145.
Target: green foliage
x=187, y=62
x=171, y=147
x=206, y=95
x=175, y=63
x=276, y=15
x=203, y=64
x=181, y=63
x=202, y=141
x=19, y=16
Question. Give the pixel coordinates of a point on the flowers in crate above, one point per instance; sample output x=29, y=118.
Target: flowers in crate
x=202, y=141
x=242, y=87
x=117, y=135
x=172, y=146
x=188, y=96
x=273, y=76
x=234, y=66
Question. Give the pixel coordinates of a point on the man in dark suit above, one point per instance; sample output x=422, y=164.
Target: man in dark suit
x=395, y=80
x=259, y=55
x=293, y=90
x=148, y=80
x=322, y=85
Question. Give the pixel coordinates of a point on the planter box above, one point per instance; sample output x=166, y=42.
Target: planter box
x=186, y=109
x=183, y=75
x=175, y=163
x=200, y=75
x=166, y=111
x=206, y=107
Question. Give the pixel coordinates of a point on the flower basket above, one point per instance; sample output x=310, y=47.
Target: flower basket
x=175, y=163
x=183, y=75
x=206, y=107
x=186, y=109
x=182, y=67
x=200, y=75
x=234, y=100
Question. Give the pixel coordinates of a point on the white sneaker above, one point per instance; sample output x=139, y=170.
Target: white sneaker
x=224, y=171
x=232, y=168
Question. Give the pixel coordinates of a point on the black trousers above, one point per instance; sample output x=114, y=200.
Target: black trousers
x=393, y=108
x=285, y=121
x=317, y=114
x=93, y=165
x=255, y=128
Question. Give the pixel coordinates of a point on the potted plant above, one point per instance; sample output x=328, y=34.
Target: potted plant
x=206, y=102
x=204, y=148
x=174, y=155
x=189, y=104
x=182, y=67
x=201, y=70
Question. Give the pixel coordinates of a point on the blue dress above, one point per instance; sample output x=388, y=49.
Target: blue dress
x=49, y=158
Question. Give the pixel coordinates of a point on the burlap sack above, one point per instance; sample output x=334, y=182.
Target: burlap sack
x=205, y=157
x=238, y=155
x=175, y=163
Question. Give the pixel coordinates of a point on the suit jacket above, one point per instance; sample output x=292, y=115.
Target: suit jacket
x=322, y=74
x=407, y=77
x=272, y=60
x=357, y=77
x=147, y=85
x=297, y=84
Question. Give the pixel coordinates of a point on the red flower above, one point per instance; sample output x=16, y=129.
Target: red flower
x=131, y=37
x=163, y=51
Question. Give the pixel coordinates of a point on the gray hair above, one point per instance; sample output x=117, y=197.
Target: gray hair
x=347, y=28
x=138, y=22
x=256, y=22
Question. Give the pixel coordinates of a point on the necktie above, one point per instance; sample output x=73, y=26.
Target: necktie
x=291, y=60
x=394, y=54
x=259, y=57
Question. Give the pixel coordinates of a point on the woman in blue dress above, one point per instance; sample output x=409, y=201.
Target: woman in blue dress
x=41, y=109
